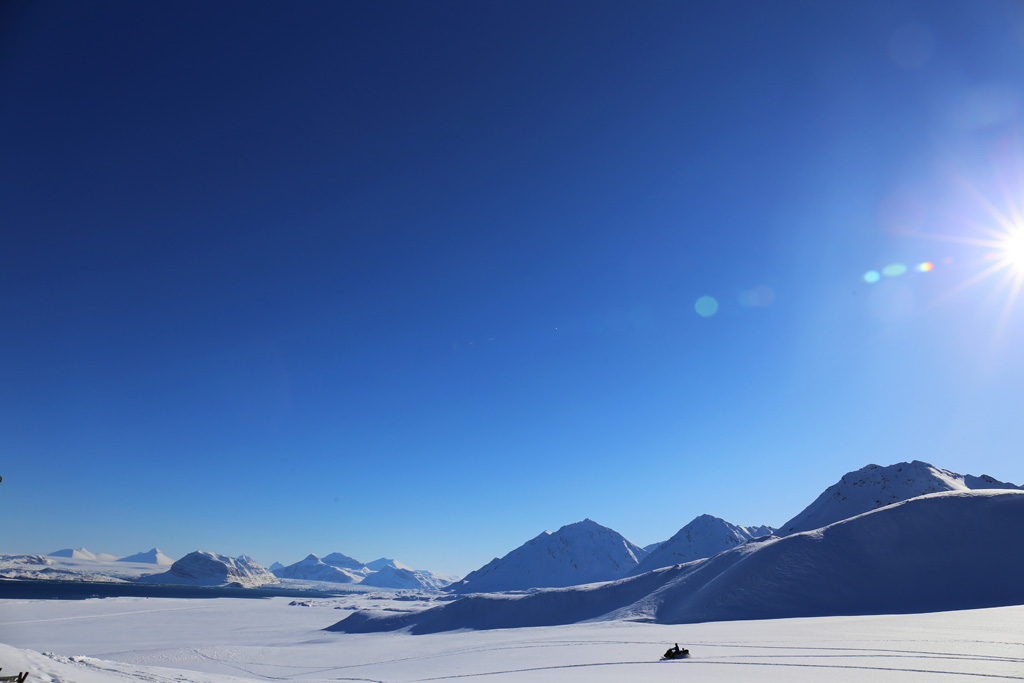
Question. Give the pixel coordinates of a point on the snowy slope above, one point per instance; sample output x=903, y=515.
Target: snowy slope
x=583, y=552
x=153, y=556
x=936, y=552
x=705, y=536
x=201, y=568
x=313, y=568
x=874, y=486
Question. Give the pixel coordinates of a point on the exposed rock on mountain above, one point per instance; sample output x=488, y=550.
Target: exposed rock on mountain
x=201, y=568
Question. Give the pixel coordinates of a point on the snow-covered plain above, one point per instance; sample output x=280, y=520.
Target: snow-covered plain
x=223, y=640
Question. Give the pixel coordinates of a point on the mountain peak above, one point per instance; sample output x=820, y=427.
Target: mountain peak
x=875, y=486
x=582, y=552
x=152, y=556
x=201, y=568
x=705, y=536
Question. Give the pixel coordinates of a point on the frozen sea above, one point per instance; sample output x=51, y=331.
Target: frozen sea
x=216, y=640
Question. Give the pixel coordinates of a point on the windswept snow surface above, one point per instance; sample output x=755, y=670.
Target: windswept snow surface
x=705, y=536
x=578, y=553
x=936, y=552
x=120, y=640
x=201, y=568
x=153, y=556
x=873, y=487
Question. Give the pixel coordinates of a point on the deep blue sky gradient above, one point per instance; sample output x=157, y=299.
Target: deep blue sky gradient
x=418, y=279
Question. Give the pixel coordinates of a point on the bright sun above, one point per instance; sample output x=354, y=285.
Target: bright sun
x=1001, y=237
x=1012, y=249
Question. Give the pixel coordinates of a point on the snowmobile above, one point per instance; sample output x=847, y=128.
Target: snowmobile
x=676, y=653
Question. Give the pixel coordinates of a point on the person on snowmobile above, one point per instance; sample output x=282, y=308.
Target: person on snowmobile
x=675, y=651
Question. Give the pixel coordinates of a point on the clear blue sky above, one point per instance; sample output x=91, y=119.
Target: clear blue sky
x=421, y=279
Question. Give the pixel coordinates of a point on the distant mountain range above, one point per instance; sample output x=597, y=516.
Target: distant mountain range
x=153, y=556
x=581, y=553
x=914, y=538
x=381, y=573
x=82, y=554
x=313, y=568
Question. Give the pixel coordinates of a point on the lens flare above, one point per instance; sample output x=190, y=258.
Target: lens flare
x=872, y=276
x=706, y=306
x=1000, y=234
x=894, y=270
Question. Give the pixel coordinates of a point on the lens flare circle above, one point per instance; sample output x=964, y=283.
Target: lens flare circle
x=706, y=306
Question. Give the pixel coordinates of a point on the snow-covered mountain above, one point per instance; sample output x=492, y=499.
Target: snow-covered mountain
x=382, y=562
x=873, y=487
x=82, y=554
x=389, y=576
x=74, y=554
x=201, y=568
x=936, y=552
x=153, y=556
x=584, y=552
x=344, y=562
x=705, y=536
x=313, y=568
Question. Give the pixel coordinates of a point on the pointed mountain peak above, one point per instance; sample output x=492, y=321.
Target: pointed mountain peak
x=582, y=552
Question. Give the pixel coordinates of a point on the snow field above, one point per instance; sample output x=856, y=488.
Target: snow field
x=224, y=640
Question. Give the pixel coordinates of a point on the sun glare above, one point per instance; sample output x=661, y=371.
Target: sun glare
x=1000, y=236
x=1013, y=249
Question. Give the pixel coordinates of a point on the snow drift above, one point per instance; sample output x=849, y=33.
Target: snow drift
x=201, y=568
x=578, y=553
x=936, y=552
